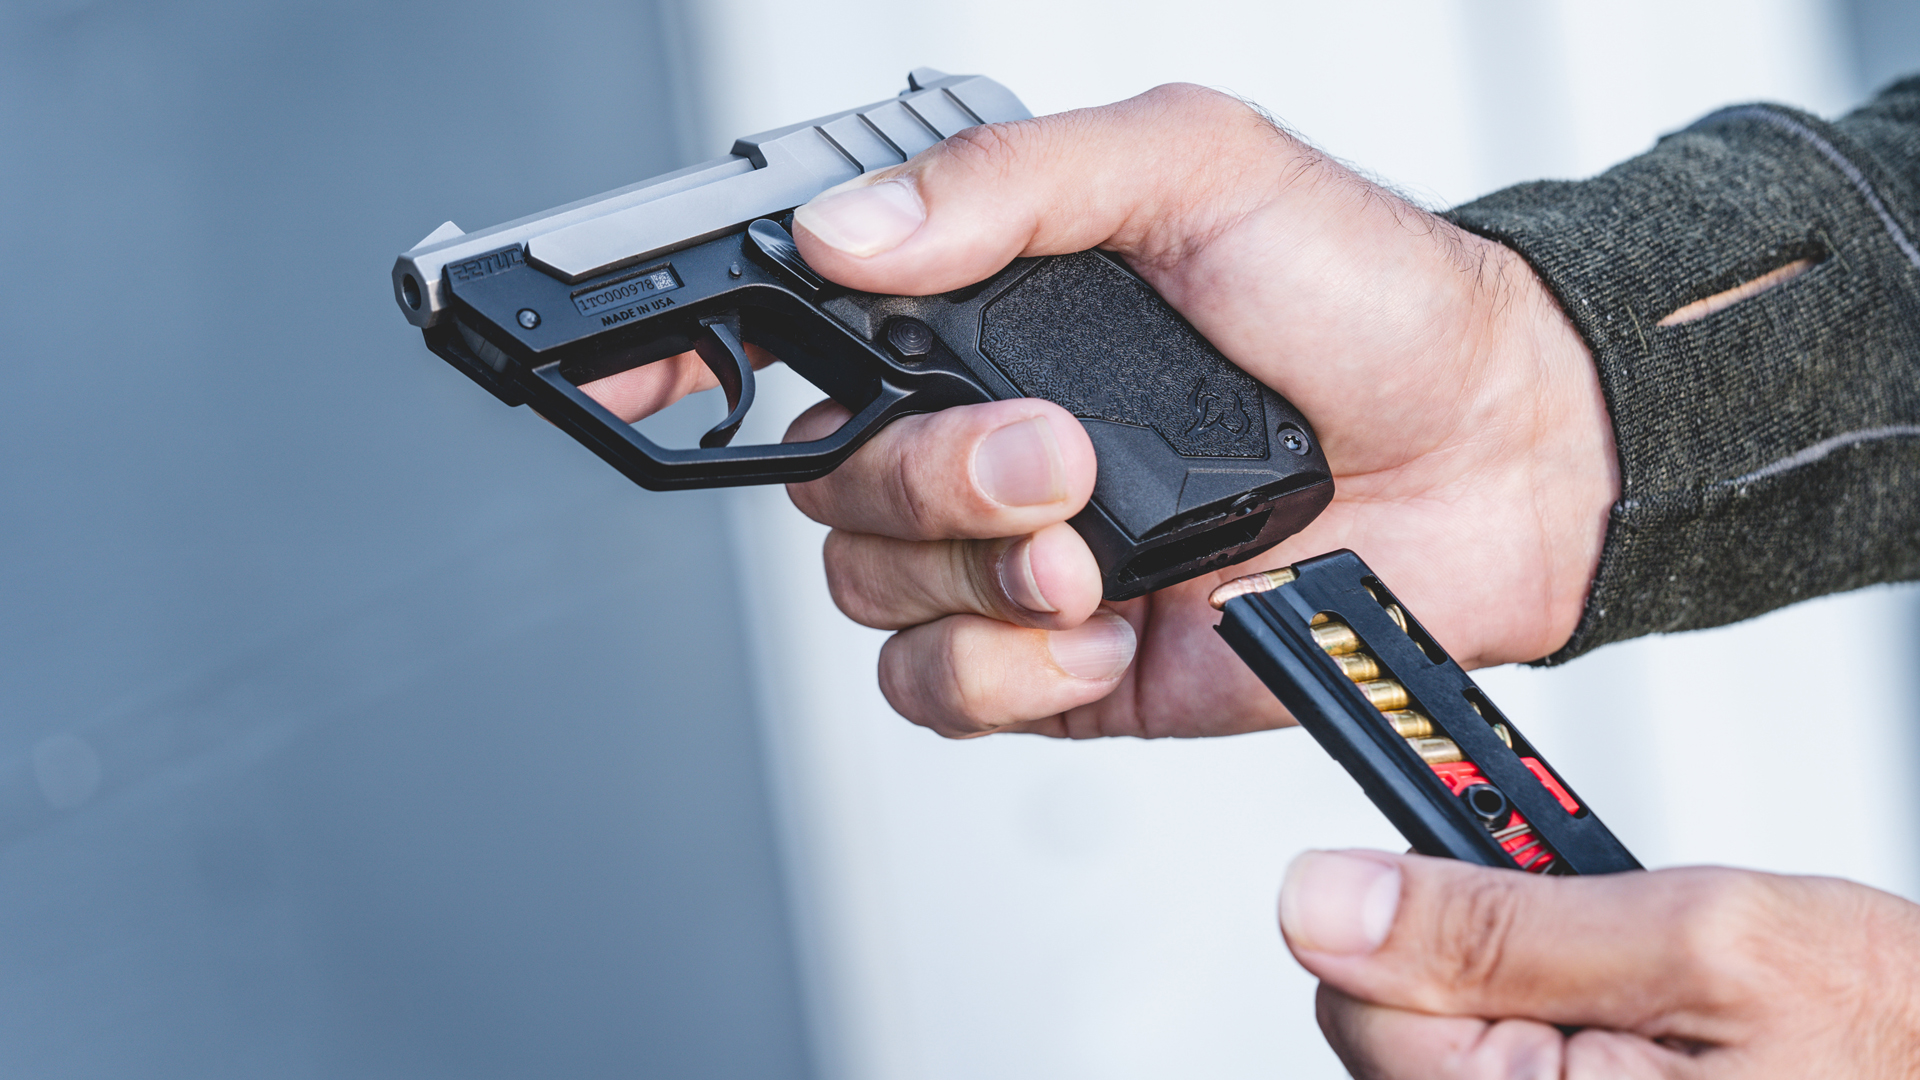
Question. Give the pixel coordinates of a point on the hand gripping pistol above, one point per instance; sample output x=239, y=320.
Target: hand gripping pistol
x=1199, y=465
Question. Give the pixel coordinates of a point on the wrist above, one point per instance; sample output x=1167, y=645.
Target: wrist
x=1559, y=440
x=1579, y=468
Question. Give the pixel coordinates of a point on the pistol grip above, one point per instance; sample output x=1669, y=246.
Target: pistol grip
x=1200, y=466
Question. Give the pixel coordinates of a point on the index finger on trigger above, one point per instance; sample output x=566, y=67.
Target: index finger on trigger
x=1003, y=468
x=639, y=392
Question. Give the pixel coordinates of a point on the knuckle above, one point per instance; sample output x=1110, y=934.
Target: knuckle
x=1726, y=921
x=1473, y=925
x=903, y=680
x=811, y=499
x=966, y=687
x=1336, y=1014
x=925, y=676
x=990, y=149
x=891, y=584
x=974, y=569
x=1213, y=173
x=1192, y=97
x=918, y=517
x=1205, y=110
x=1718, y=905
x=901, y=484
x=929, y=485
x=850, y=578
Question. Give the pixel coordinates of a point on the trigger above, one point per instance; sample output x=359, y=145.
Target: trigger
x=721, y=349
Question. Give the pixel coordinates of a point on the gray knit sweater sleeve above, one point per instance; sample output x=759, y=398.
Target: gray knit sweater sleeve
x=1769, y=452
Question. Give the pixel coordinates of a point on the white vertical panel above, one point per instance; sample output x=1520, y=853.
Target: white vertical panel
x=1379, y=83
x=1639, y=67
x=1706, y=747
x=1566, y=88
x=1785, y=743
x=1014, y=907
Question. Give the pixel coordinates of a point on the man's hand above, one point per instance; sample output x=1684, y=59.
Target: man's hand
x=1459, y=410
x=1472, y=454
x=1436, y=969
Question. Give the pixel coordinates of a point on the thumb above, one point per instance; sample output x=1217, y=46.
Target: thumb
x=1159, y=165
x=1654, y=953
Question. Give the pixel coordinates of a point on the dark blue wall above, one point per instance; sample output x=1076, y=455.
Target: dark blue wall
x=350, y=723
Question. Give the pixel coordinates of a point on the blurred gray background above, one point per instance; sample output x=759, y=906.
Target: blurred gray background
x=350, y=724
x=1885, y=37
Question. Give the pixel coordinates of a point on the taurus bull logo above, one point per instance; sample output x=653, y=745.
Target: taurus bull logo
x=1210, y=411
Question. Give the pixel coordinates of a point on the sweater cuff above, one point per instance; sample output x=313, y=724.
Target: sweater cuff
x=1769, y=452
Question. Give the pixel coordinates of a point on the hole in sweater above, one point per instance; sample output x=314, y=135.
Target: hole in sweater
x=1724, y=299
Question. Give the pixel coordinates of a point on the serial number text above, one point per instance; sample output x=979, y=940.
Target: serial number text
x=626, y=290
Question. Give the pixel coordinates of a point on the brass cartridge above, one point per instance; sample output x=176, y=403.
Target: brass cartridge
x=1387, y=695
x=1336, y=638
x=1437, y=751
x=1358, y=666
x=1409, y=724
x=1264, y=581
x=1398, y=616
x=1506, y=736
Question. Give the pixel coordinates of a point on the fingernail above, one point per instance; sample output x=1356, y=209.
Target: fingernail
x=1017, y=581
x=864, y=220
x=1099, y=648
x=1333, y=902
x=1019, y=465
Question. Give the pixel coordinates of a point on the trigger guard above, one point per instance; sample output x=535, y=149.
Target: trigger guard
x=719, y=347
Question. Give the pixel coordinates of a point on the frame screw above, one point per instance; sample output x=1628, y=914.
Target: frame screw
x=529, y=318
x=1294, y=440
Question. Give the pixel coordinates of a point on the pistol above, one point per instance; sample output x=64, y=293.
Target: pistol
x=1386, y=701
x=1199, y=465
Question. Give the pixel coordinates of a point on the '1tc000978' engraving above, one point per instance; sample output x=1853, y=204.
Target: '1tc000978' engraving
x=604, y=299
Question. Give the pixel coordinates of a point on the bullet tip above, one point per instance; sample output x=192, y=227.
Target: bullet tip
x=1264, y=581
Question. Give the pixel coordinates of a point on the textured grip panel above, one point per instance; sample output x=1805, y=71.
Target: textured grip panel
x=1085, y=333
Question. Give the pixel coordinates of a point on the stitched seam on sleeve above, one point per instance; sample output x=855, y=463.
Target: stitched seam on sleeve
x=1827, y=150
x=1821, y=449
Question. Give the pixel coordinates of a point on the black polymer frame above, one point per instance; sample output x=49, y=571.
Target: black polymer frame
x=1272, y=632
x=546, y=362
x=1195, y=468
